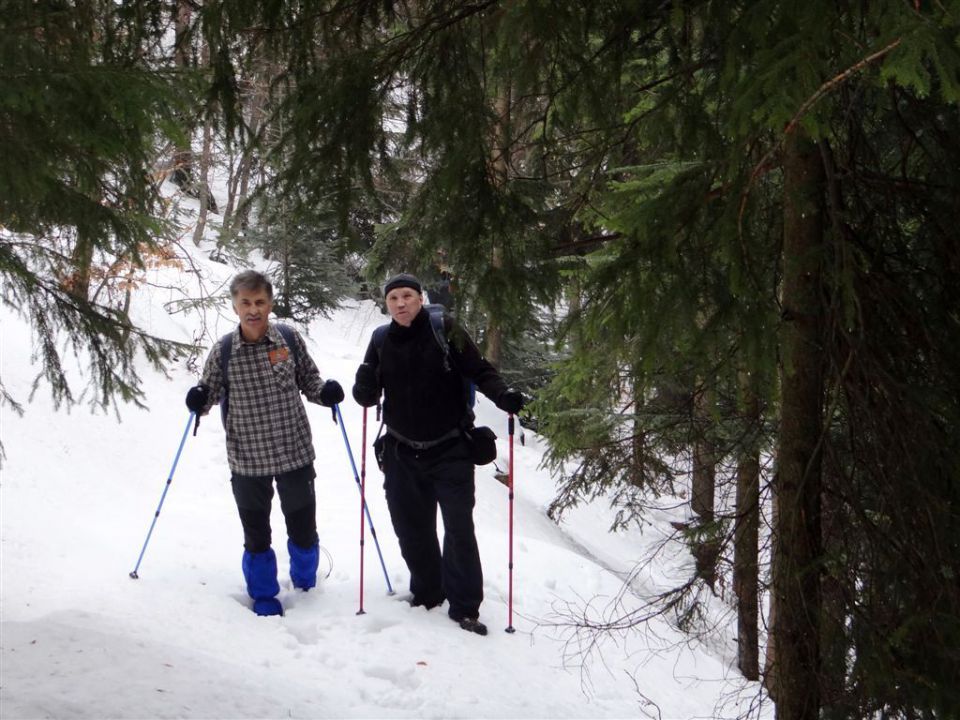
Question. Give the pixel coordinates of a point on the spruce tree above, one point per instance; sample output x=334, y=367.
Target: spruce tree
x=81, y=114
x=308, y=259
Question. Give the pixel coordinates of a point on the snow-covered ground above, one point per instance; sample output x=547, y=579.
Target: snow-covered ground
x=82, y=639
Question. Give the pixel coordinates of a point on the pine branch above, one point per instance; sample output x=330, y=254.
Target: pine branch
x=766, y=162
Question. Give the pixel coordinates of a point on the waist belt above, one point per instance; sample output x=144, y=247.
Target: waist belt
x=423, y=444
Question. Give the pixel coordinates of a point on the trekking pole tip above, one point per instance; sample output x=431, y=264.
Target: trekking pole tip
x=510, y=630
x=133, y=574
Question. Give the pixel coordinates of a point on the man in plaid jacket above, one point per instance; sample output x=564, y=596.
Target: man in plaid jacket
x=268, y=437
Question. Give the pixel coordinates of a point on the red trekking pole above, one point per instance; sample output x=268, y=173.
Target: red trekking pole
x=363, y=501
x=363, y=504
x=510, y=628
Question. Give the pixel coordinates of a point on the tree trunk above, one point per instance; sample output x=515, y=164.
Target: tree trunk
x=205, y=198
x=286, y=258
x=704, y=468
x=493, y=338
x=835, y=581
x=832, y=630
x=703, y=490
x=493, y=349
x=81, y=262
x=182, y=172
x=770, y=655
x=746, y=534
x=638, y=439
x=205, y=195
x=255, y=110
x=797, y=564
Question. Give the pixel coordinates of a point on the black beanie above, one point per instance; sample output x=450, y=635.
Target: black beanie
x=402, y=280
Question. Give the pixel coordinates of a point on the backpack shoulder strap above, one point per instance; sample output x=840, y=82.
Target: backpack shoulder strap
x=379, y=335
x=226, y=349
x=440, y=333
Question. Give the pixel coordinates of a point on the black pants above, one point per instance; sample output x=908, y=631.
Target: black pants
x=416, y=483
x=297, y=501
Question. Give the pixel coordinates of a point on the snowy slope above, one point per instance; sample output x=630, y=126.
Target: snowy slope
x=81, y=639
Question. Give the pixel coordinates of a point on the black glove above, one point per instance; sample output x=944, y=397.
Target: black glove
x=510, y=401
x=331, y=393
x=367, y=376
x=197, y=398
x=366, y=389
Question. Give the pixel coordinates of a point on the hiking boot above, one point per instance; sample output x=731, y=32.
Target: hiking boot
x=473, y=625
x=427, y=604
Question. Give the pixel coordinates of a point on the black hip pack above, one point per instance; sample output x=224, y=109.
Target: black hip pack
x=482, y=442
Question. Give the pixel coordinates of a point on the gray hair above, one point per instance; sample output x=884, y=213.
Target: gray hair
x=251, y=281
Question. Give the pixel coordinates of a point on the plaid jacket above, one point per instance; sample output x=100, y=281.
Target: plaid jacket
x=267, y=427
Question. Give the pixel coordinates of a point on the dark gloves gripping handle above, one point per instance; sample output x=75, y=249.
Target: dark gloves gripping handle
x=331, y=393
x=511, y=401
x=197, y=398
x=366, y=388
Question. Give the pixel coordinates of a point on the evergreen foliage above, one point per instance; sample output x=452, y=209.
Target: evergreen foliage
x=80, y=119
x=610, y=178
x=650, y=139
x=310, y=270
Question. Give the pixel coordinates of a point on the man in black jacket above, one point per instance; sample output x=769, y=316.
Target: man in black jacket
x=426, y=460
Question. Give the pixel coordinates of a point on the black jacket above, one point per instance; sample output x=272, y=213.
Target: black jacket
x=422, y=401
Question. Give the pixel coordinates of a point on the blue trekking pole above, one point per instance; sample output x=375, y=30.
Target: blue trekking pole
x=356, y=476
x=166, y=487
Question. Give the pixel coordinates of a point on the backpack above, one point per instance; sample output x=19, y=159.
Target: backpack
x=436, y=323
x=226, y=349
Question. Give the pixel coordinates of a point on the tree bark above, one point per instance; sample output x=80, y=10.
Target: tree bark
x=833, y=625
x=704, y=462
x=638, y=439
x=797, y=564
x=182, y=165
x=255, y=111
x=835, y=585
x=703, y=490
x=81, y=259
x=770, y=654
x=206, y=198
x=746, y=534
x=494, y=336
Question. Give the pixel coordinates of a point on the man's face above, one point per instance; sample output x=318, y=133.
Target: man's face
x=253, y=308
x=403, y=304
